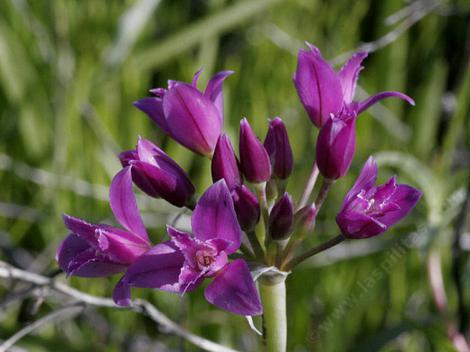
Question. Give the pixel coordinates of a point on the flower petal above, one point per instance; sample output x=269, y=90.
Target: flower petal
x=318, y=86
x=356, y=225
x=76, y=257
x=124, y=205
x=192, y=118
x=366, y=179
x=349, y=74
x=215, y=217
x=121, y=246
x=153, y=107
x=80, y=228
x=127, y=157
x=214, y=91
x=234, y=290
x=367, y=103
x=196, y=77
x=189, y=279
x=185, y=243
x=159, y=268
x=406, y=197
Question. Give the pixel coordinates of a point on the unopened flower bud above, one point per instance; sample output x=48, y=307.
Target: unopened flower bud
x=281, y=218
x=155, y=173
x=336, y=145
x=278, y=147
x=225, y=164
x=254, y=158
x=246, y=206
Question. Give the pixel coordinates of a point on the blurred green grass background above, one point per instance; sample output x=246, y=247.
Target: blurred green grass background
x=69, y=71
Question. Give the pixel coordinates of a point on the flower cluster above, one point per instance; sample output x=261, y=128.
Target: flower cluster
x=247, y=198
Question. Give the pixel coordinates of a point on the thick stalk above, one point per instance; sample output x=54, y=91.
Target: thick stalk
x=273, y=296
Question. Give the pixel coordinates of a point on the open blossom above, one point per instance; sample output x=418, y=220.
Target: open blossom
x=323, y=91
x=336, y=145
x=101, y=250
x=155, y=173
x=181, y=264
x=191, y=117
x=369, y=210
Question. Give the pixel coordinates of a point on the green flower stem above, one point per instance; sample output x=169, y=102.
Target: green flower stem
x=311, y=252
x=309, y=186
x=273, y=296
x=246, y=251
x=325, y=188
x=262, y=228
x=254, y=242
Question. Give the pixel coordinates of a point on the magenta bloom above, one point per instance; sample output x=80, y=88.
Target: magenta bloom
x=181, y=264
x=369, y=210
x=254, y=158
x=323, y=92
x=225, y=164
x=336, y=145
x=102, y=250
x=278, y=147
x=155, y=173
x=192, y=118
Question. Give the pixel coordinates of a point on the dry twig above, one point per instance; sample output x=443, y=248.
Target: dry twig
x=139, y=306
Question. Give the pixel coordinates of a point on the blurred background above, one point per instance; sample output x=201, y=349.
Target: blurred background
x=69, y=72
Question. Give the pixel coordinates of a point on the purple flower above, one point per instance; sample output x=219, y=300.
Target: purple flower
x=281, y=218
x=323, y=92
x=336, y=145
x=102, y=250
x=181, y=264
x=225, y=164
x=192, y=118
x=278, y=147
x=155, y=173
x=246, y=206
x=369, y=210
x=254, y=158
